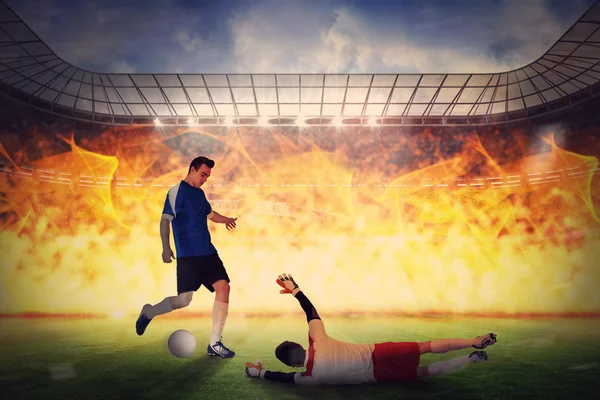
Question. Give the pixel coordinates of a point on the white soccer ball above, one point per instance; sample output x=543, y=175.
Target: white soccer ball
x=182, y=343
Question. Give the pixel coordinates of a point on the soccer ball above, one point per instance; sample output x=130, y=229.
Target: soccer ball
x=182, y=343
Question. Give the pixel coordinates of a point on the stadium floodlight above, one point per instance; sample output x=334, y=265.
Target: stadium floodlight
x=191, y=121
x=157, y=122
x=337, y=121
x=263, y=121
x=301, y=120
x=228, y=121
x=372, y=121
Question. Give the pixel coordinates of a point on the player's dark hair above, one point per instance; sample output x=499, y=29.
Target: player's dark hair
x=290, y=353
x=198, y=161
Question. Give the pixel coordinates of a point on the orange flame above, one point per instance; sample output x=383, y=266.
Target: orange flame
x=401, y=225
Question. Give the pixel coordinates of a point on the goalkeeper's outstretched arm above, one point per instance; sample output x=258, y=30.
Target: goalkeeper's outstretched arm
x=290, y=377
x=283, y=377
x=258, y=371
x=289, y=285
x=307, y=306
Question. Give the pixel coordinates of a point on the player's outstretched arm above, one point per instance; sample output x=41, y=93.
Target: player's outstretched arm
x=258, y=371
x=221, y=219
x=290, y=286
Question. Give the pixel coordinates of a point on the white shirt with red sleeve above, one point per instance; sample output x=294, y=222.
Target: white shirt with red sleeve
x=330, y=361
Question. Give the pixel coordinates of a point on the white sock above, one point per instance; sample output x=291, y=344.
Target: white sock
x=161, y=308
x=445, y=367
x=219, y=316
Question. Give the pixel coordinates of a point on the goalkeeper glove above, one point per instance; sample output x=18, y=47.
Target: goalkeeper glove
x=255, y=371
x=288, y=284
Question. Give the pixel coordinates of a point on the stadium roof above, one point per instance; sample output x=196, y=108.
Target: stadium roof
x=568, y=72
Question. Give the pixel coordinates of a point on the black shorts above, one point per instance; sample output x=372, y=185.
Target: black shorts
x=193, y=272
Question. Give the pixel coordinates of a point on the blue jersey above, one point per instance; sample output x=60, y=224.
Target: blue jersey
x=188, y=209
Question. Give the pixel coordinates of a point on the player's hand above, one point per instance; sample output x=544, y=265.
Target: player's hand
x=255, y=371
x=167, y=255
x=230, y=223
x=287, y=283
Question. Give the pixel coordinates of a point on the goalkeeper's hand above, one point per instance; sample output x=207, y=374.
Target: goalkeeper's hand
x=255, y=371
x=288, y=284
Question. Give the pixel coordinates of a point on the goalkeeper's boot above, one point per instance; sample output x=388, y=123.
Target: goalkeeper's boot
x=478, y=356
x=142, y=322
x=485, y=341
x=219, y=349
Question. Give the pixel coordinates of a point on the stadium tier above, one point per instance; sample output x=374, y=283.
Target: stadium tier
x=566, y=74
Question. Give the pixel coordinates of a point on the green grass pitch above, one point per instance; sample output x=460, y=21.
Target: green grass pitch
x=105, y=359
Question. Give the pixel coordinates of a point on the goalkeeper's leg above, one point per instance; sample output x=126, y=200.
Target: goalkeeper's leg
x=448, y=366
x=439, y=346
x=167, y=305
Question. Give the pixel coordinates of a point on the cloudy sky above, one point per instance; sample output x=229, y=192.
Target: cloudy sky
x=299, y=35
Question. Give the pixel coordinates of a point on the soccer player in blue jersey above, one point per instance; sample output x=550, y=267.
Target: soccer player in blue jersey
x=188, y=211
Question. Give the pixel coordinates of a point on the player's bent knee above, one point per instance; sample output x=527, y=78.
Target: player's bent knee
x=422, y=371
x=182, y=300
x=222, y=286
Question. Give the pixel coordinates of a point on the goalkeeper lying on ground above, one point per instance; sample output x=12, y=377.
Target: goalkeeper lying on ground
x=330, y=361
